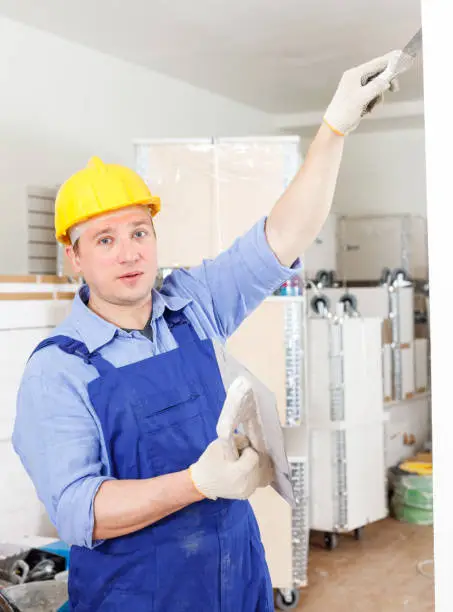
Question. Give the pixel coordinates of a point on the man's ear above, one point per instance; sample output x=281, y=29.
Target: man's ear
x=73, y=254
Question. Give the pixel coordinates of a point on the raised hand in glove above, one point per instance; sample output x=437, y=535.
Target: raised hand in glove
x=218, y=474
x=358, y=92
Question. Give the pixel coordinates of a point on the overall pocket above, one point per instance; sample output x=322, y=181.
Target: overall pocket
x=176, y=426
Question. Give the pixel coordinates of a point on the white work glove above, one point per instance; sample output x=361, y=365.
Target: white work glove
x=240, y=409
x=218, y=474
x=265, y=466
x=352, y=97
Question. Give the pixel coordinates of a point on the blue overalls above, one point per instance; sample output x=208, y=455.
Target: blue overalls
x=158, y=416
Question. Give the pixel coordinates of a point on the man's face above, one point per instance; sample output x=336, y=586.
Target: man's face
x=117, y=256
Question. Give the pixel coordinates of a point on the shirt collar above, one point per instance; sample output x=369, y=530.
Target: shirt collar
x=96, y=332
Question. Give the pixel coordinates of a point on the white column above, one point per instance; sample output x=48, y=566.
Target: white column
x=438, y=76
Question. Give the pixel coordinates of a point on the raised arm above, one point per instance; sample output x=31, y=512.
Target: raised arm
x=300, y=213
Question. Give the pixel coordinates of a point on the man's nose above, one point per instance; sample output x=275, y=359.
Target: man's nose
x=128, y=252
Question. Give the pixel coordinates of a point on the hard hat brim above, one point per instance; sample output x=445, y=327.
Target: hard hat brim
x=153, y=203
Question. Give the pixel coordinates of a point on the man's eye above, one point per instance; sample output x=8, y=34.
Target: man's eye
x=105, y=241
x=141, y=233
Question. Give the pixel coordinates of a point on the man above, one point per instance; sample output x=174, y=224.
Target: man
x=117, y=410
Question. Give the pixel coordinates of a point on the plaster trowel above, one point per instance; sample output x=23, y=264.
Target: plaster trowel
x=402, y=64
x=240, y=411
x=250, y=408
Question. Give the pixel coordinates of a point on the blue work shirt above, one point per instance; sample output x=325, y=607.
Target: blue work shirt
x=57, y=434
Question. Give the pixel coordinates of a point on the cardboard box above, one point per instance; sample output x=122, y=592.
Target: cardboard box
x=387, y=334
x=421, y=330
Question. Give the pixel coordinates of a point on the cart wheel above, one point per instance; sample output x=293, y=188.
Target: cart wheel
x=287, y=599
x=330, y=540
x=358, y=533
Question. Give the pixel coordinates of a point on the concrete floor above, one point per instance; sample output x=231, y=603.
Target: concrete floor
x=377, y=574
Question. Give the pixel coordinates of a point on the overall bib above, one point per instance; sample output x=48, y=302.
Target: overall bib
x=158, y=416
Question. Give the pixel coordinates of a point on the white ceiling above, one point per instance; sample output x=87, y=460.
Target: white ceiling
x=281, y=56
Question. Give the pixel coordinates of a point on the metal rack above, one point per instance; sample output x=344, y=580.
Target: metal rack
x=395, y=310
x=288, y=597
x=300, y=525
x=294, y=362
x=341, y=429
x=340, y=481
x=336, y=362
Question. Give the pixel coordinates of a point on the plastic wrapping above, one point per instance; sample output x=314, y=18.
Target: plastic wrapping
x=415, y=491
x=412, y=500
x=213, y=190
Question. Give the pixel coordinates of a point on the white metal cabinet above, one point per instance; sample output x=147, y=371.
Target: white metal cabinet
x=346, y=423
x=345, y=371
x=348, y=477
x=376, y=302
x=396, y=306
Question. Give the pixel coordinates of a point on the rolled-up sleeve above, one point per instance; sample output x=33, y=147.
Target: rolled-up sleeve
x=232, y=285
x=58, y=443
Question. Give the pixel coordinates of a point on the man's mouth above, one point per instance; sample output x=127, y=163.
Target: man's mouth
x=131, y=275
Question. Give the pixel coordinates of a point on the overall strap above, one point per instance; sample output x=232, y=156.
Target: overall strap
x=180, y=327
x=78, y=348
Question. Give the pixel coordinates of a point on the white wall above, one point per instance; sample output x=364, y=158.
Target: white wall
x=382, y=173
x=62, y=103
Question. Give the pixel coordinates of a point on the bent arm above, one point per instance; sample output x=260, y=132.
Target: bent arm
x=124, y=506
x=58, y=442
x=300, y=213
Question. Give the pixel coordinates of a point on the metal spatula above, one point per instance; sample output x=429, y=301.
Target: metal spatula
x=409, y=53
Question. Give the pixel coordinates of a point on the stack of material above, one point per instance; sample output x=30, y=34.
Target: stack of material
x=412, y=500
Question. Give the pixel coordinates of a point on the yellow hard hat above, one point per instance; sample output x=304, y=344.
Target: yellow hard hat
x=99, y=188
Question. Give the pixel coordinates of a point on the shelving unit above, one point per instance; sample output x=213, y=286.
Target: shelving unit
x=346, y=425
x=401, y=422
x=395, y=306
